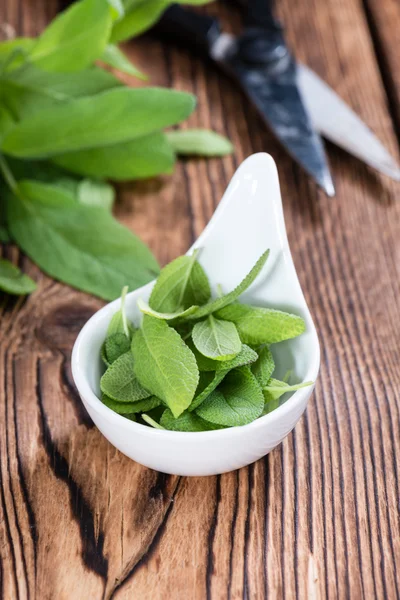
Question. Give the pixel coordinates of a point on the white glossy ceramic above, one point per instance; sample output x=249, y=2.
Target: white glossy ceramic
x=248, y=220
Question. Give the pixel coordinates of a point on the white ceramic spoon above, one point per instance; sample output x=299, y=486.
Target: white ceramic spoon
x=248, y=220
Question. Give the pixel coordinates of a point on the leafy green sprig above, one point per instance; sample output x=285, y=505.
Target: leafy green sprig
x=192, y=365
x=66, y=126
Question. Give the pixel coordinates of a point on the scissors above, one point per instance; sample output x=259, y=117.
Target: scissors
x=294, y=101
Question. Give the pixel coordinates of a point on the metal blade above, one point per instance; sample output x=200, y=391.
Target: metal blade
x=272, y=87
x=338, y=123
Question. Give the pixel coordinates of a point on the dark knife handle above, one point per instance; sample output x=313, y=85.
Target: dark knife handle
x=260, y=14
x=188, y=28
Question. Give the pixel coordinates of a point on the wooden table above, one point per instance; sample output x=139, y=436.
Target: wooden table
x=318, y=517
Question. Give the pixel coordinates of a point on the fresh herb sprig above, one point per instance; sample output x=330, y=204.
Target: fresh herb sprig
x=67, y=125
x=195, y=363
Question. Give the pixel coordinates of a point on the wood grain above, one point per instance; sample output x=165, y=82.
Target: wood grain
x=319, y=516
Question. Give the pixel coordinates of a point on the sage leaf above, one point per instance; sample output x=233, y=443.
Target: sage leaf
x=75, y=38
x=206, y=391
x=119, y=322
x=8, y=47
x=262, y=325
x=164, y=364
x=131, y=417
x=120, y=383
x=4, y=234
x=127, y=113
x=202, y=142
x=6, y=121
x=45, y=172
x=264, y=366
x=96, y=193
x=151, y=422
x=181, y=284
x=216, y=339
x=115, y=58
x=275, y=388
x=136, y=159
x=145, y=309
x=127, y=408
x=185, y=331
x=116, y=345
x=13, y=281
x=103, y=355
x=238, y=401
x=30, y=90
x=246, y=356
x=117, y=9
x=141, y=15
x=185, y=422
x=218, y=303
x=81, y=245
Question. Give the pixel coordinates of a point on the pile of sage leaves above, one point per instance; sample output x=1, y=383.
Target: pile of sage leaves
x=66, y=126
x=195, y=363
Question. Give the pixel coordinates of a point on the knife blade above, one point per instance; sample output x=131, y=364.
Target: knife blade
x=260, y=61
x=346, y=129
x=268, y=74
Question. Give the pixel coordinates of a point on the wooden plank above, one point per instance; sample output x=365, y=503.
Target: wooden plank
x=383, y=18
x=319, y=516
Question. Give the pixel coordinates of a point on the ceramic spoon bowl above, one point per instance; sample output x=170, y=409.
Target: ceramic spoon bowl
x=248, y=220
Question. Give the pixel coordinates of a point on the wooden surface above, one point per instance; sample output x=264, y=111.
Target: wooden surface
x=319, y=516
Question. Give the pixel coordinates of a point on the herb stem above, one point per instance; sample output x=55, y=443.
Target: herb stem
x=8, y=175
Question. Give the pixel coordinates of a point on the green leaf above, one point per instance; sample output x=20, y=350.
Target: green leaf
x=262, y=325
x=239, y=400
x=116, y=345
x=208, y=389
x=141, y=15
x=131, y=417
x=185, y=331
x=245, y=357
x=120, y=383
x=30, y=90
x=136, y=159
x=181, y=284
x=202, y=142
x=7, y=47
x=164, y=364
x=75, y=38
x=114, y=57
x=126, y=408
x=96, y=193
x=4, y=234
x=105, y=119
x=216, y=339
x=151, y=422
x=103, y=355
x=117, y=9
x=185, y=422
x=219, y=303
x=13, y=53
x=145, y=309
x=119, y=322
x=6, y=121
x=264, y=366
x=45, y=172
x=275, y=388
x=13, y=281
x=81, y=245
